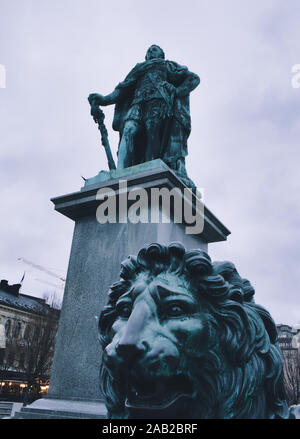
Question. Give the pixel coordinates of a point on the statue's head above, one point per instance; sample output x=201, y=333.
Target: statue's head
x=183, y=338
x=154, y=52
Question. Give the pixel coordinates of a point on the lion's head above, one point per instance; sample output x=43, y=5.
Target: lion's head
x=183, y=338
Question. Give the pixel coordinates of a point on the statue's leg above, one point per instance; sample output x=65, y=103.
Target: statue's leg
x=155, y=123
x=154, y=138
x=126, y=147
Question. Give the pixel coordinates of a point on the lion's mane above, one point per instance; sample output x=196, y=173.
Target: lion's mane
x=242, y=374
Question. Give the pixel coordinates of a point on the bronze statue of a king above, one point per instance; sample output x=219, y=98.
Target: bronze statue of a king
x=152, y=112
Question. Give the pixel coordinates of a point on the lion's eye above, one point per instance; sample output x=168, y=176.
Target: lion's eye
x=124, y=311
x=175, y=310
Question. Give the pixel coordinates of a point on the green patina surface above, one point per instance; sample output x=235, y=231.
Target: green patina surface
x=123, y=173
x=152, y=113
x=183, y=338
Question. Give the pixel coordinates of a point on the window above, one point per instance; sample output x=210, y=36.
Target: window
x=2, y=354
x=28, y=331
x=11, y=358
x=17, y=329
x=36, y=331
x=22, y=360
x=7, y=327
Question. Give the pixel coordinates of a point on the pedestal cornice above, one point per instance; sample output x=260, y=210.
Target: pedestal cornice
x=84, y=202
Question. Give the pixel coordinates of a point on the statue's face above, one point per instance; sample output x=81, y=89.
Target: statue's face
x=154, y=52
x=158, y=328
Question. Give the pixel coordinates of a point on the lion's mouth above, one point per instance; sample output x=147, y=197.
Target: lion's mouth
x=157, y=393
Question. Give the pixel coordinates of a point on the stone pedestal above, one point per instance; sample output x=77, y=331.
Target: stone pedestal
x=96, y=254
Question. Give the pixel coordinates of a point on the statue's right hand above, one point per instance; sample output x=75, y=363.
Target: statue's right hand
x=96, y=99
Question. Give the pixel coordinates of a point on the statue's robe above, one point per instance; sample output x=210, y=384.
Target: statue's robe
x=177, y=126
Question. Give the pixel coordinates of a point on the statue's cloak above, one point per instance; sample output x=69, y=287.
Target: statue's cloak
x=178, y=126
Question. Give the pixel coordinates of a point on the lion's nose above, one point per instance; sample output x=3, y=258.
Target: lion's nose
x=133, y=342
x=130, y=350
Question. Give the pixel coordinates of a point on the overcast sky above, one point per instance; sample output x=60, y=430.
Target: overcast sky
x=244, y=146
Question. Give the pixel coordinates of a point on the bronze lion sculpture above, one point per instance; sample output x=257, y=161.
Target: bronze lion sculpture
x=183, y=338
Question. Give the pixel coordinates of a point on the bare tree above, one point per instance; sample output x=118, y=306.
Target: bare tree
x=53, y=299
x=38, y=349
x=291, y=368
x=7, y=360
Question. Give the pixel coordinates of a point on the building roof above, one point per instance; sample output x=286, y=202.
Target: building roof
x=284, y=326
x=10, y=296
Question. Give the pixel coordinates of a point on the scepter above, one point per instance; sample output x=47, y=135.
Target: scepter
x=98, y=117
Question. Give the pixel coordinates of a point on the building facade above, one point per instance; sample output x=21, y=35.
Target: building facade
x=288, y=338
x=28, y=327
x=289, y=342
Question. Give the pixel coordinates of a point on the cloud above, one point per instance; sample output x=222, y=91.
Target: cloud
x=245, y=118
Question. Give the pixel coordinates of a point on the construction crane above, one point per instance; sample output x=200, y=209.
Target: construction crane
x=41, y=268
x=49, y=283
